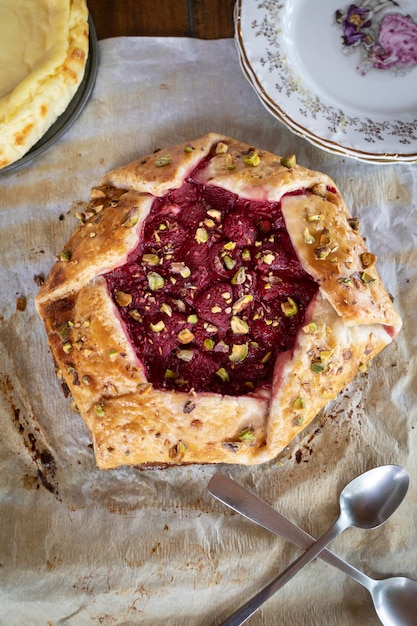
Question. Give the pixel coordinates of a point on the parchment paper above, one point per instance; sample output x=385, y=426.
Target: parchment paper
x=81, y=546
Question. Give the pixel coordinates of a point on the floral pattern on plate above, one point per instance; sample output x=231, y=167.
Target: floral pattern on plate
x=387, y=40
x=269, y=35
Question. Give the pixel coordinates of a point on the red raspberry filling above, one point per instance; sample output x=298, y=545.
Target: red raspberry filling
x=213, y=292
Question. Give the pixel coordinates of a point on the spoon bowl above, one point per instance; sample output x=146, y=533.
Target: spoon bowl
x=366, y=502
x=395, y=599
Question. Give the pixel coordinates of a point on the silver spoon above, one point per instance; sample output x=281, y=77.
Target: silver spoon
x=366, y=502
x=395, y=599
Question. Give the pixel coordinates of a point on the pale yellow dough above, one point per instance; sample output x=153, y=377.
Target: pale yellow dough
x=43, y=53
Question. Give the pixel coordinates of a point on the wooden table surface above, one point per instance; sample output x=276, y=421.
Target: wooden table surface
x=205, y=19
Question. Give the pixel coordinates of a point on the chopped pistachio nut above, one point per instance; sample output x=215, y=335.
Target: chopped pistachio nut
x=240, y=277
x=318, y=366
x=299, y=404
x=130, y=219
x=185, y=355
x=201, y=235
x=134, y=313
x=344, y=280
x=239, y=353
x=325, y=355
x=310, y=328
x=155, y=281
x=215, y=214
x=317, y=217
x=151, y=259
x=67, y=347
x=192, y=319
x=319, y=189
x=99, y=410
x=177, y=452
x=367, y=278
x=169, y=374
x=289, y=308
x=65, y=255
x=185, y=336
x=289, y=161
x=123, y=299
x=266, y=357
x=268, y=258
x=252, y=158
x=163, y=160
x=208, y=344
x=230, y=245
x=307, y=236
x=239, y=326
x=222, y=147
x=113, y=354
x=241, y=304
x=223, y=375
x=230, y=164
x=246, y=254
x=321, y=253
x=247, y=434
x=368, y=259
x=166, y=308
x=228, y=262
x=86, y=379
x=157, y=327
x=188, y=148
x=362, y=367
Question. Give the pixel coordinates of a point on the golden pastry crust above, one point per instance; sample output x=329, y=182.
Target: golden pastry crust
x=56, y=63
x=130, y=422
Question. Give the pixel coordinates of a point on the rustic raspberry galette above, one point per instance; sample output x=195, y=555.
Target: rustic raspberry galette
x=212, y=300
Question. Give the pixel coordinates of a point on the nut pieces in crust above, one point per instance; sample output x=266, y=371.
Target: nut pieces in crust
x=251, y=219
x=43, y=56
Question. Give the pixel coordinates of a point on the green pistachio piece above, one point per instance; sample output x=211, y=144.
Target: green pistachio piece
x=299, y=404
x=239, y=326
x=223, y=375
x=185, y=355
x=130, y=219
x=185, y=336
x=99, y=411
x=367, y=278
x=123, y=299
x=239, y=353
x=247, y=434
x=151, y=259
x=163, y=160
x=241, y=304
x=228, y=262
x=157, y=327
x=65, y=255
x=307, y=236
x=252, y=158
x=208, y=344
x=201, y=235
x=155, y=281
x=289, y=161
x=240, y=277
x=289, y=308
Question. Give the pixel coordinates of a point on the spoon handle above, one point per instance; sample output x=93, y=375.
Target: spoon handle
x=246, y=610
x=258, y=511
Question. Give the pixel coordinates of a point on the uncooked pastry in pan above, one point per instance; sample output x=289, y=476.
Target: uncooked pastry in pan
x=212, y=300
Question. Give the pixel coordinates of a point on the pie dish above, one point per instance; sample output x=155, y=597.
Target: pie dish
x=43, y=60
x=212, y=300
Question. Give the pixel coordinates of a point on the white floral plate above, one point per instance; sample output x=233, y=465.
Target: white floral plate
x=343, y=76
